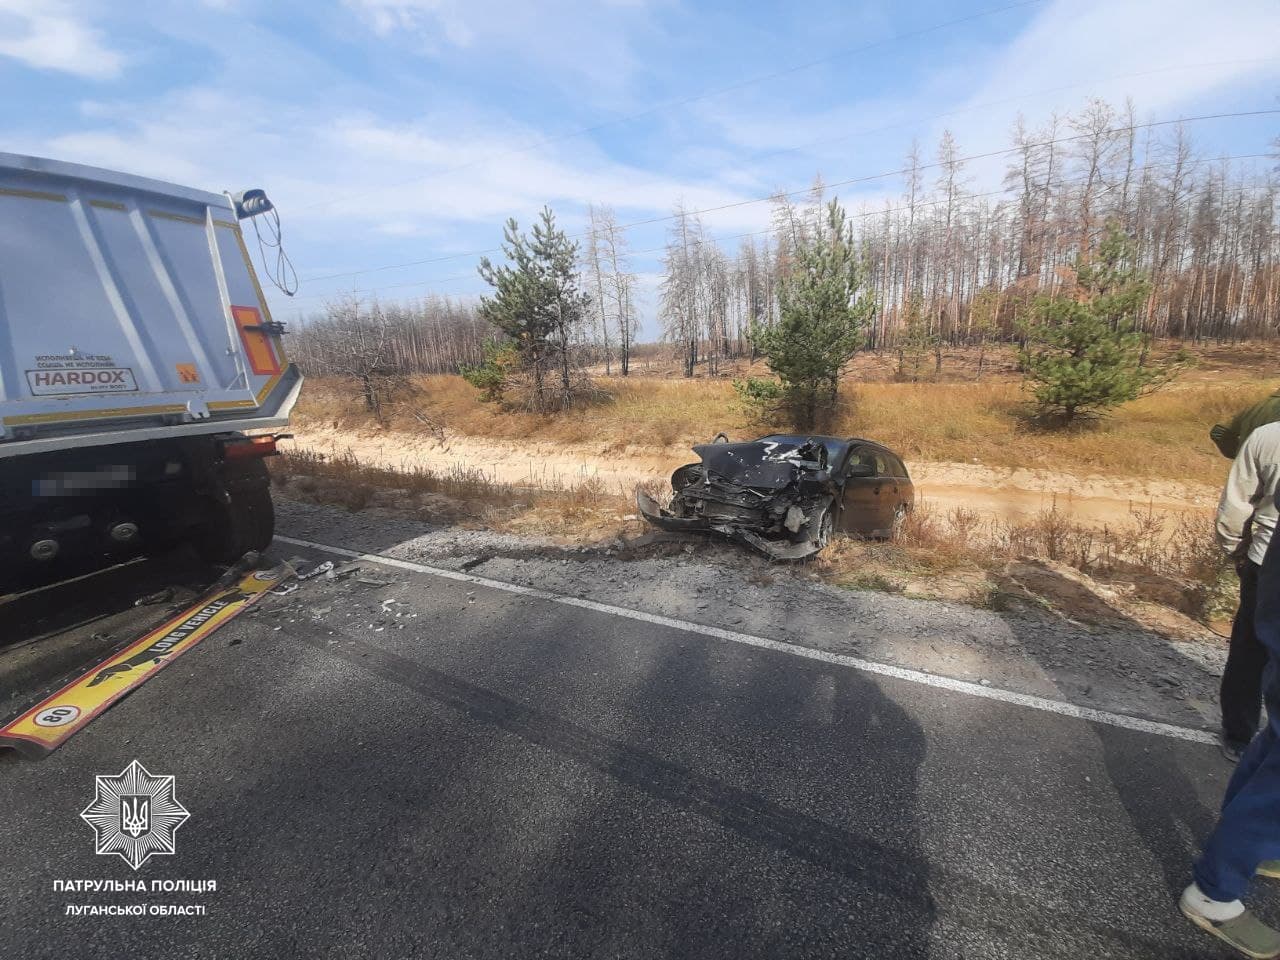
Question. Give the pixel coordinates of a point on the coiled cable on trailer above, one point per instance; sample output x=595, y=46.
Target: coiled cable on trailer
x=281, y=274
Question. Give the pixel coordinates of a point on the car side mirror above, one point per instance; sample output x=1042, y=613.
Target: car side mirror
x=860, y=470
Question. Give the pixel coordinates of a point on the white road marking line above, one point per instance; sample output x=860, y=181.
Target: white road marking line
x=856, y=663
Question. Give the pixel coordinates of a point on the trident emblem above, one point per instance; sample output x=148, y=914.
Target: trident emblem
x=135, y=814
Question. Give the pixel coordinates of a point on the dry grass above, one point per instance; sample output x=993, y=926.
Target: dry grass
x=1164, y=435
x=1161, y=436
x=636, y=411
x=1149, y=541
x=582, y=511
x=1173, y=562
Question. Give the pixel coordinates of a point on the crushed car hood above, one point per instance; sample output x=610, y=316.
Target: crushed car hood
x=774, y=493
x=762, y=464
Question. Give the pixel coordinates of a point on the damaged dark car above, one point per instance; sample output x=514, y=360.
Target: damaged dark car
x=787, y=495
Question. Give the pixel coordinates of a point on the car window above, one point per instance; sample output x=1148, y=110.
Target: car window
x=897, y=467
x=861, y=455
x=882, y=466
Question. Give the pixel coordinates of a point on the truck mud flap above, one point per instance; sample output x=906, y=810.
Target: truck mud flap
x=50, y=723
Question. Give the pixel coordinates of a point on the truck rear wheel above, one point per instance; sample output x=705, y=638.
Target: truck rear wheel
x=244, y=521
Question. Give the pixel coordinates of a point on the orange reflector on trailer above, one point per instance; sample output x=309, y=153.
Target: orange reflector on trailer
x=257, y=343
x=50, y=723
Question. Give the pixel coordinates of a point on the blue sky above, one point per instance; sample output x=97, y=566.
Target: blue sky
x=407, y=130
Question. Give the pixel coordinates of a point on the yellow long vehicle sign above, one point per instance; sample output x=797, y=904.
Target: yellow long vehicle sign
x=49, y=724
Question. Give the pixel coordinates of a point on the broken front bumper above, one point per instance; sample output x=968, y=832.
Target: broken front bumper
x=659, y=516
x=653, y=512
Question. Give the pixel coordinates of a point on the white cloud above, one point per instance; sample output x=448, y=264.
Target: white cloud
x=1071, y=40
x=567, y=40
x=1168, y=55
x=339, y=176
x=54, y=35
x=426, y=19
x=467, y=176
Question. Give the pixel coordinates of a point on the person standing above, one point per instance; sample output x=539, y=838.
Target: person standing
x=1246, y=841
x=1245, y=523
x=1229, y=438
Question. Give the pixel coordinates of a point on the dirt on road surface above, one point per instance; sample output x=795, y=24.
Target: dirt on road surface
x=1003, y=494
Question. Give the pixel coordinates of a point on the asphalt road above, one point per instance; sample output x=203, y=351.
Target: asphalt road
x=465, y=772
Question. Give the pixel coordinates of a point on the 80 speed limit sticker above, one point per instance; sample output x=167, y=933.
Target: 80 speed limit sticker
x=56, y=716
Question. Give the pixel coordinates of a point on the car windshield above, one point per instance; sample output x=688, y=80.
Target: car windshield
x=836, y=448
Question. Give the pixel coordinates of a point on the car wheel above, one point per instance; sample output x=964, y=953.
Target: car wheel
x=826, y=529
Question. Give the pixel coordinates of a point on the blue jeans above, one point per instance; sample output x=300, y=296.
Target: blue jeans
x=1248, y=829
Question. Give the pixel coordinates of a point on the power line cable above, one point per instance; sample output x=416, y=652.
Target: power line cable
x=959, y=160
x=798, y=192
x=773, y=229
x=1092, y=82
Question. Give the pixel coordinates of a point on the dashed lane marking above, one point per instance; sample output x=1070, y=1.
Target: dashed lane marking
x=856, y=663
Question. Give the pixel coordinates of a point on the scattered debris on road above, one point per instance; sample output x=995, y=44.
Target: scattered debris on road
x=342, y=572
x=151, y=599
x=322, y=568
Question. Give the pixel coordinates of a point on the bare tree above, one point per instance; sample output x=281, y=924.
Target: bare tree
x=358, y=343
x=613, y=284
x=683, y=293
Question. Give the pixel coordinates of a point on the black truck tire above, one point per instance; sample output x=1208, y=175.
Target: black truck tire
x=245, y=520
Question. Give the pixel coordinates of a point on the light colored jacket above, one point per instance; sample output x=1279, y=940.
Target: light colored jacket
x=1250, y=494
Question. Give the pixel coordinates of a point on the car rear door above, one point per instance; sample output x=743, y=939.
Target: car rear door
x=887, y=493
x=903, y=487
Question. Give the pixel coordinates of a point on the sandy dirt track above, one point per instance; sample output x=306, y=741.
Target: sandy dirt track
x=999, y=493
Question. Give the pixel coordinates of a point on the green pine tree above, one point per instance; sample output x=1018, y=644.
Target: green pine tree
x=916, y=341
x=822, y=313
x=536, y=303
x=565, y=304
x=1083, y=354
x=492, y=375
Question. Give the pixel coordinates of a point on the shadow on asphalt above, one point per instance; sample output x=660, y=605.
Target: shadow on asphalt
x=1171, y=813
x=64, y=606
x=871, y=890
x=796, y=790
x=874, y=884
x=875, y=847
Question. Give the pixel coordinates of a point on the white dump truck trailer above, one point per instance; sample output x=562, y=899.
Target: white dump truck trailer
x=136, y=353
